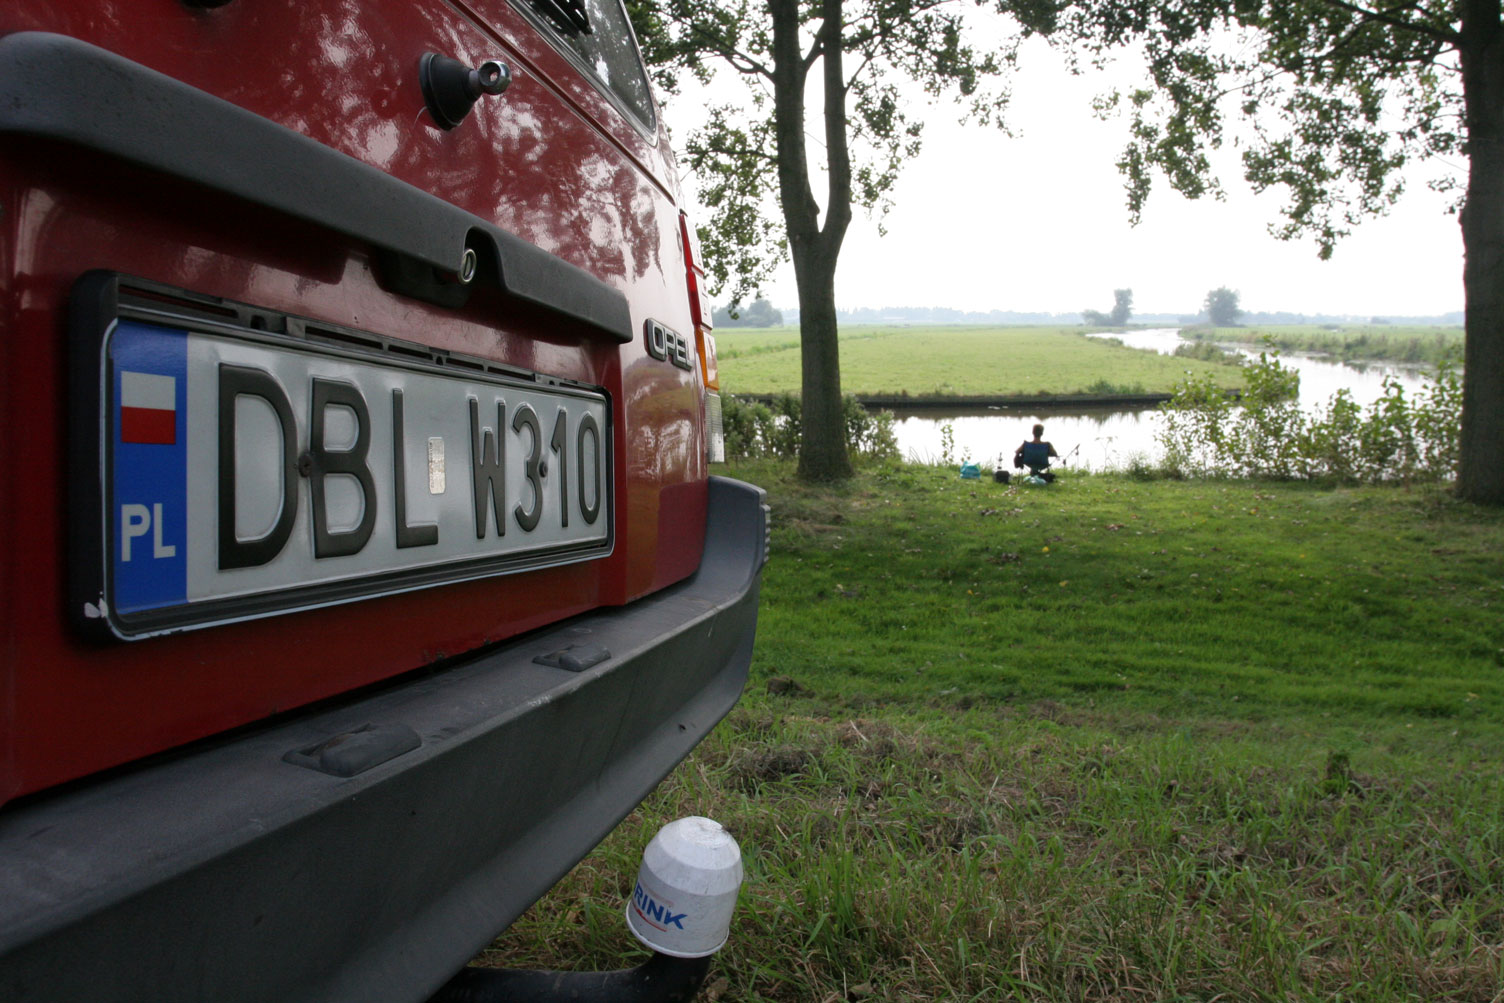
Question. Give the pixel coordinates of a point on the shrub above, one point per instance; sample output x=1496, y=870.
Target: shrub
x=755, y=430
x=869, y=434
x=1106, y=386
x=1207, y=352
x=748, y=427
x=1265, y=434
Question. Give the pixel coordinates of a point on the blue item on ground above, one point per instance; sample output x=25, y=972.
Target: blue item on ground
x=971, y=472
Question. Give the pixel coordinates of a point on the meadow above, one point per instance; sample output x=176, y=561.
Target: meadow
x=959, y=361
x=1107, y=740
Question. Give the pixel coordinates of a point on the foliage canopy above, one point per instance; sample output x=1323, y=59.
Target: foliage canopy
x=1221, y=307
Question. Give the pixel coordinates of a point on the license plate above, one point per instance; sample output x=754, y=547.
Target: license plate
x=246, y=474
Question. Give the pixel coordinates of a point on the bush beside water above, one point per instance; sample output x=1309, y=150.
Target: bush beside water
x=1207, y=352
x=1265, y=434
x=756, y=431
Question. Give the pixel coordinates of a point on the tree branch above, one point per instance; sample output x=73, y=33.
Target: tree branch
x=1403, y=24
x=816, y=49
x=740, y=61
x=1424, y=58
x=856, y=74
x=837, y=150
x=728, y=150
x=800, y=213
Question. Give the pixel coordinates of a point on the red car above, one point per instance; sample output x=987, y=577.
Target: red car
x=363, y=565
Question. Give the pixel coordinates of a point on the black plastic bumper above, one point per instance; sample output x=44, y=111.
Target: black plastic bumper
x=231, y=873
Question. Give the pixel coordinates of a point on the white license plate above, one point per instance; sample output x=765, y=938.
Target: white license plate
x=249, y=474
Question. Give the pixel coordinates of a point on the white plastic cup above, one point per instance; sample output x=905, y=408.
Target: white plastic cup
x=686, y=889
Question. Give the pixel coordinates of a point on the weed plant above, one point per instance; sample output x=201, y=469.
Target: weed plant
x=1108, y=740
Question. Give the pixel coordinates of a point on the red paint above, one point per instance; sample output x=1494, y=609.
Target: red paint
x=552, y=161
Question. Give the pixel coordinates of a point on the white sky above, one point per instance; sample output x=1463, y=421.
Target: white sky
x=1039, y=222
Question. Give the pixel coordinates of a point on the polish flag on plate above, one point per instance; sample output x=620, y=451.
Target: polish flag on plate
x=148, y=408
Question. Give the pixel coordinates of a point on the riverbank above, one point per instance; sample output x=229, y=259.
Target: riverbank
x=1415, y=346
x=1105, y=740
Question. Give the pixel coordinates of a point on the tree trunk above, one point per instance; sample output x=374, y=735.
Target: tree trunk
x=822, y=455
x=1480, y=476
x=822, y=452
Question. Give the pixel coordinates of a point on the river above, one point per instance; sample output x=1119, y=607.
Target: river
x=1102, y=438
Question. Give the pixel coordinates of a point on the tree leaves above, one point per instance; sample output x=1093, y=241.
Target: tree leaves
x=1336, y=97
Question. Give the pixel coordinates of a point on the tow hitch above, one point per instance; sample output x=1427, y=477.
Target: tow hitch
x=680, y=907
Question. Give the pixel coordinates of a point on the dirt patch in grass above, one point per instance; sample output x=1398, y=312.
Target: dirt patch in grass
x=758, y=766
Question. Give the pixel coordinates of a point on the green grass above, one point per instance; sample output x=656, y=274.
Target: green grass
x=1106, y=740
x=959, y=361
x=1352, y=343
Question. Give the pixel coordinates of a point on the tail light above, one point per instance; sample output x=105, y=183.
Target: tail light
x=699, y=311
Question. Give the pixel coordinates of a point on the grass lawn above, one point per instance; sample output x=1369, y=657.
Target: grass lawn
x=959, y=361
x=1106, y=740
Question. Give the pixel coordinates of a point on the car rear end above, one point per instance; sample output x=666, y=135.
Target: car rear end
x=365, y=566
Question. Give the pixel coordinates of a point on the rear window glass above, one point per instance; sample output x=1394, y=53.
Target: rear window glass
x=599, y=35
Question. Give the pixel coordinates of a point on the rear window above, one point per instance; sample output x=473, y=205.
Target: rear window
x=599, y=37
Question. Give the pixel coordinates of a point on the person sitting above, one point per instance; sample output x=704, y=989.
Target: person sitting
x=1035, y=454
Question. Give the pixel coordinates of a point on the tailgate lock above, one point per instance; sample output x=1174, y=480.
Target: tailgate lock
x=450, y=88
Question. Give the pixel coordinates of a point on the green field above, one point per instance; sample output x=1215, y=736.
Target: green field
x=958, y=361
x=1352, y=343
x=1109, y=740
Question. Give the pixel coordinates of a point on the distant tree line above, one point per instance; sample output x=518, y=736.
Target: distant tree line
x=1220, y=308
x=759, y=313
x=940, y=315
x=1001, y=318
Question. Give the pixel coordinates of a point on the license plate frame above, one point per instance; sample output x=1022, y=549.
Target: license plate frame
x=414, y=468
